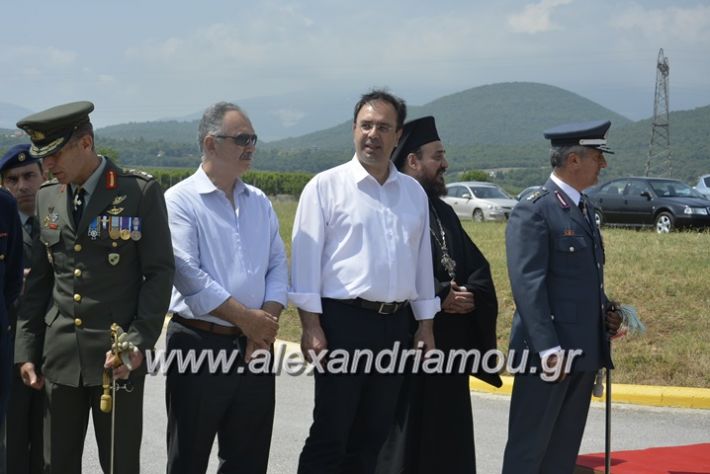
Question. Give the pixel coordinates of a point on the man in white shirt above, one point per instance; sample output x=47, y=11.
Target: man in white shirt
x=361, y=265
x=230, y=287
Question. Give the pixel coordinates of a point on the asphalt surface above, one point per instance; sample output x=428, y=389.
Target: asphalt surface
x=633, y=427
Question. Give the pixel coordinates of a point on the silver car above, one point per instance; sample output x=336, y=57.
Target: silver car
x=479, y=201
x=703, y=186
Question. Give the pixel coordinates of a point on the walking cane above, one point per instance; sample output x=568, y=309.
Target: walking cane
x=120, y=349
x=108, y=398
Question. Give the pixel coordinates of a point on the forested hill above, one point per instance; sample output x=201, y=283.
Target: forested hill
x=494, y=127
x=511, y=113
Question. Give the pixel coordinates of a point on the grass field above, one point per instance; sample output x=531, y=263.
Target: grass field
x=664, y=276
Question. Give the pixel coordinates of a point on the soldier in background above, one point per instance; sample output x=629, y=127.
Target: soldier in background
x=96, y=267
x=22, y=175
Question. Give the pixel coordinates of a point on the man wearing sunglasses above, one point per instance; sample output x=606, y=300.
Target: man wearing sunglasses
x=230, y=287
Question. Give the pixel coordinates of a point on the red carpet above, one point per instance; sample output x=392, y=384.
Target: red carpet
x=691, y=459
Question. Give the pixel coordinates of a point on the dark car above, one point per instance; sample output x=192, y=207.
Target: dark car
x=663, y=203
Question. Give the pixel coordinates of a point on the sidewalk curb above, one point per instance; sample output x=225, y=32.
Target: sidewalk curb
x=650, y=395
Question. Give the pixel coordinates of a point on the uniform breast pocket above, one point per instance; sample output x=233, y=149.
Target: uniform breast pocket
x=571, y=244
x=50, y=238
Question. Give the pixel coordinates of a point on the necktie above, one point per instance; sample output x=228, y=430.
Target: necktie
x=583, y=209
x=30, y=226
x=78, y=205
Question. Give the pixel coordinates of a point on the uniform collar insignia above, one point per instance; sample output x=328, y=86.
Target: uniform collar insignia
x=563, y=203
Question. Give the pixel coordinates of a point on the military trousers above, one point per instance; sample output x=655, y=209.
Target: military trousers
x=67, y=417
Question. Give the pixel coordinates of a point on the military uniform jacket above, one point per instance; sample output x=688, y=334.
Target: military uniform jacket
x=556, y=269
x=94, y=281
x=11, y=261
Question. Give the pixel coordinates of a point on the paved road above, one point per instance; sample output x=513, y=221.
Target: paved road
x=634, y=427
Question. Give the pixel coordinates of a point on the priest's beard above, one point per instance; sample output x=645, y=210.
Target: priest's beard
x=434, y=187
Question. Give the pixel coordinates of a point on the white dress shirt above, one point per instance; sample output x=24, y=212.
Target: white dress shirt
x=222, y=251
x=353, y=237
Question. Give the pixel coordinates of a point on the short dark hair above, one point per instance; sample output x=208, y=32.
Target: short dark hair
x=559, y=154
x=378, y=94
x=3, y=173
x=81, y=131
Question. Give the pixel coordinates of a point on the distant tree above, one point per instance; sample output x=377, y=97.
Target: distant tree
x=474, y=175
x=110, y=153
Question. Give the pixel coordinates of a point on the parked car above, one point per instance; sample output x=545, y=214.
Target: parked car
x=663, y=203
x=703, y=186
x=479, y=201
x=527, y=192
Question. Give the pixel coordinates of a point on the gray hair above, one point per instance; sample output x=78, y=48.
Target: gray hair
x=212, y=119
x=559, y=154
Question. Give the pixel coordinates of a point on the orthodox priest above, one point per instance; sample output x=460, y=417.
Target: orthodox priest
x=434, y=430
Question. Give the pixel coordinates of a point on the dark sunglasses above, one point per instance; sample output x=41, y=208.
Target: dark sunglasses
x=242, y=139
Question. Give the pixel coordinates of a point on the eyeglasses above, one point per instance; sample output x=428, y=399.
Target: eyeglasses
x=243, y=139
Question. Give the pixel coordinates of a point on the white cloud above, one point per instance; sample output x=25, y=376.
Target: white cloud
x=691, y=25
x=535, y=18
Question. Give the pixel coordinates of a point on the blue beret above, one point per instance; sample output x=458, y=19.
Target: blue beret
x=591, y=134
x=18, y=155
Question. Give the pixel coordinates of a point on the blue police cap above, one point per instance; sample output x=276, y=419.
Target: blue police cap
x=591, y=134
x=18, y=155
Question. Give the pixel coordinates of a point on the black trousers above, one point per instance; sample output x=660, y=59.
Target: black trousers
x=353, y=412
x=236, y=407
x=546, y=423
x=67, y=417
x=23, y=428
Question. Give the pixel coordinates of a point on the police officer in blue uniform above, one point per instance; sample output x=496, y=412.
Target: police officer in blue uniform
x=10, y=285
x=562, y=319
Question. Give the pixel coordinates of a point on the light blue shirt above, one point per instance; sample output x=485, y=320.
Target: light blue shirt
x=222, y=251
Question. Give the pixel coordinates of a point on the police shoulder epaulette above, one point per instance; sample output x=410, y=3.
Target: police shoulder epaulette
x=138, y=173
x=537, y=195
x=50, y=182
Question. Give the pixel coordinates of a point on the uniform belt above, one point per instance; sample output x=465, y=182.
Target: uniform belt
x=207, y=326
x=381, y=308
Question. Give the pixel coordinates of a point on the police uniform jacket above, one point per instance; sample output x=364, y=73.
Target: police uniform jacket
x=93, y=281
x=556, y=269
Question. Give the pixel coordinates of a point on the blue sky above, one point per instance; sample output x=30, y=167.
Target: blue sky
x=154, y=58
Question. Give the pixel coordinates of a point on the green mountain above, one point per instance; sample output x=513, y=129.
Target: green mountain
x=510, y=113
x=495, y=127
x=170, y=131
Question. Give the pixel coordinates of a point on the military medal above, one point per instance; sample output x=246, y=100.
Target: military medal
x=125, y=228
x=51, y=218
x=103, y=232
x=447, y=262
x=94, y=229
x=136, y=228
x=115, y=229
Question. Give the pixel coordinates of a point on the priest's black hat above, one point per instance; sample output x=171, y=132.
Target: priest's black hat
x=415, y=133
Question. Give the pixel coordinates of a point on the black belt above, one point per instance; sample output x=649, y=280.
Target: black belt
x=207, y=326
x=381, y=308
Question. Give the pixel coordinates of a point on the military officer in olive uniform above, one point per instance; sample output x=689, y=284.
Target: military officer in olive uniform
x=97, y=264
x=22, y=175
x=556, y=269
